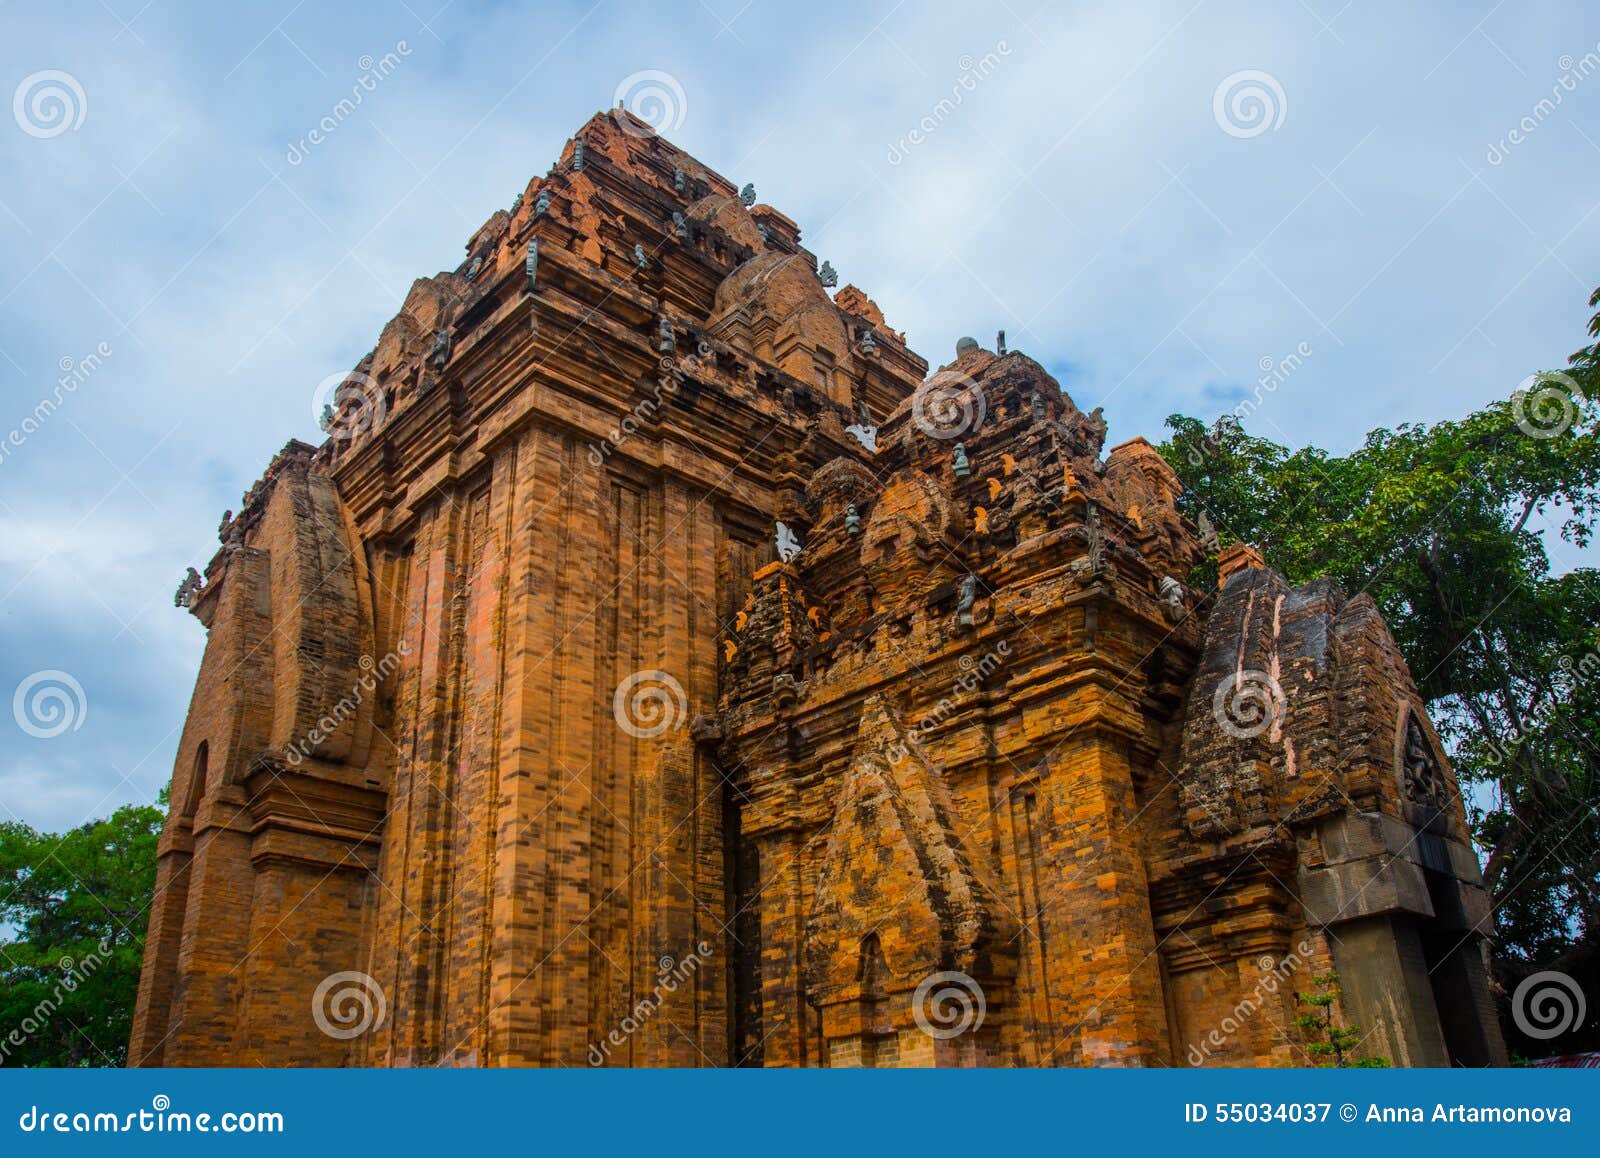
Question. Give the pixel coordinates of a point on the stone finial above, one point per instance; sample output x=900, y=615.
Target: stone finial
x=1238, y=557
x=966, y=345
x=1207, y=531
x=541, y=203
x=747, y=195
x=189, y=589
x=680, y=182
x=1000, y=342
x=327, y=417
x=829, y=275
x=864, y=433
x=516, y=203
x=786, y=690
x=530, y=265
x=1171, y=592
x=680, y=226
x=666, y=341
x=473, y=268
x=1096, y=424
x=441, y=350
x=788, y=543
x=639, y=259
x=869, y=344
x=577, y=155
x=852, y=520
x=959, y=461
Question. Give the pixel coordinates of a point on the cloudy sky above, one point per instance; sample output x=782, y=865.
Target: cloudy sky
x=1150, y=199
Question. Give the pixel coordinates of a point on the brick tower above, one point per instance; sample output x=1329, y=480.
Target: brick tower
x=654, y=666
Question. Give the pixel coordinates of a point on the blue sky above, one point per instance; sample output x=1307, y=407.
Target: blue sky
x=1078, y=175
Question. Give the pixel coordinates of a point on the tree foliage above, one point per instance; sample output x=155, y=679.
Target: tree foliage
x=1466, y=533
x=73, y=908
x=1332, y=1044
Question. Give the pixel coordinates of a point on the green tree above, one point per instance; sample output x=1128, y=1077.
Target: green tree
x=1333, y=1045
x=1440, y=525
x=73, y=908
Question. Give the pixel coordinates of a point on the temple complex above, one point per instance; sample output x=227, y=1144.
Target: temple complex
x=657, y=665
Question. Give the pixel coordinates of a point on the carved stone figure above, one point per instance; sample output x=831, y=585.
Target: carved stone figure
x=968, y=597
x=1424, y=780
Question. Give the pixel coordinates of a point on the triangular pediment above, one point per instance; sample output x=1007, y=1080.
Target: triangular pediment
x=895, y=867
